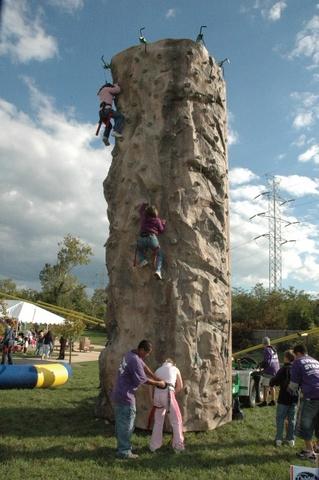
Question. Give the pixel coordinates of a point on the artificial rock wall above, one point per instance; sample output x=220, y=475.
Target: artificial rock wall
x=174, y=155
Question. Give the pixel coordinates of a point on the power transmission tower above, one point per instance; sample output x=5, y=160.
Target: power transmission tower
x=275, y=240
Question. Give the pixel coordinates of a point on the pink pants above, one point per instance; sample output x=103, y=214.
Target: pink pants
x=175, y=418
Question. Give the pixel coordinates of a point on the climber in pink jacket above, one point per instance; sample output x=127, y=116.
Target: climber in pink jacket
x=106, y=95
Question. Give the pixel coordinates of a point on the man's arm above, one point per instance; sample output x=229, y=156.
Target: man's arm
x=150, y=374
x=277, y=379
x=179, y=383
x=156, y=383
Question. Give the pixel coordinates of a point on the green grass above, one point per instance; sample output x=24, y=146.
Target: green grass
x=52, y=434
x=97, y=337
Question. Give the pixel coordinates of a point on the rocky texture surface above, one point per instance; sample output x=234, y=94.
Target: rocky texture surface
x=174, y=154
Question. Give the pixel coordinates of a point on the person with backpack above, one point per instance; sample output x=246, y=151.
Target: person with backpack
x=150, y=227
x=270, y=366
x=106, y=95
x=8, y=343
x=287, y=402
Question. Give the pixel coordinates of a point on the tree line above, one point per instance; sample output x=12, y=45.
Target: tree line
x=285, y=309
x=59, y=284
x=257, y=308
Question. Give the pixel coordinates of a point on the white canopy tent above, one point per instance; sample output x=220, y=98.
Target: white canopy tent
x=26, y=312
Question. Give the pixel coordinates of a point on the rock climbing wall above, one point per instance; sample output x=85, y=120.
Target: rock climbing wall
x=174, y=155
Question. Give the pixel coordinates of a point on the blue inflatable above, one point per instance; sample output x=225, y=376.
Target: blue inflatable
x=34, y=376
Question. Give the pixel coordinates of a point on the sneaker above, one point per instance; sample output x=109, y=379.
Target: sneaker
x=143, y=263
x=291, y=443
x=116, y=134
x=178, y=450
x=158, y=275
x=130, y=455
x=272, y=403
x=106, y=141
x=306, y=455
x=263, y=404
x=278, y=443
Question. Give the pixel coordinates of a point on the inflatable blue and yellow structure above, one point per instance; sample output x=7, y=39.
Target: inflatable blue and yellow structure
x=34, y=376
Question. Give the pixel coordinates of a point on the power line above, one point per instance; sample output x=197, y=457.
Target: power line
x=274, y=234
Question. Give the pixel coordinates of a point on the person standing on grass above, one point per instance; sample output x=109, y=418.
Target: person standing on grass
x=287, y=402
x=164, y=401
x=8, y=342
x=305, y=374
x=47, y=345
x=132, y=373
x=270, y=365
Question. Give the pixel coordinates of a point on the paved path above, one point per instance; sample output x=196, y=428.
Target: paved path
x=77, y=357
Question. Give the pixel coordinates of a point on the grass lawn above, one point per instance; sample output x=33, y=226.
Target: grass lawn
x=52, y=434
x=97, y=337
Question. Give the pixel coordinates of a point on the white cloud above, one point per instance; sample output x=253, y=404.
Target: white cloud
x=238, y=176
x=268, y=9
x=249, y=254
x=298, y=185
x=306, y=109
x=300, y=141
x=232, y=134
x=307, y=42
x=171, y=13
x=311, y=154
x=303, y=119
x=67, y=5
x=275, y=12
x=50, y=184
x=23, y=35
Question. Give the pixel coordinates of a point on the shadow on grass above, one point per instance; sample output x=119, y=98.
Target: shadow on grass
x=164, y=461
x=77, y=420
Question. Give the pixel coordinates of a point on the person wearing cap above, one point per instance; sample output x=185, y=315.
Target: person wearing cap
x=270, y=366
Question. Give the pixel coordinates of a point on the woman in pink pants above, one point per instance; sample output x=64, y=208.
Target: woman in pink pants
x=164, y=401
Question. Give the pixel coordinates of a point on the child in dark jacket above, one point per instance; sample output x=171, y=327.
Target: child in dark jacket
x=151, y=227
x=286, y=403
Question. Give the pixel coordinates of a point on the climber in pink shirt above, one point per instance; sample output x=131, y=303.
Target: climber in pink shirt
x=106, y=95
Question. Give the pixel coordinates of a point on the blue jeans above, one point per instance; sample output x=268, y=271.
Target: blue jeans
x=118, y=121
x=283, y=412
x=307, y=415
x=146, y=243
x=124, y=426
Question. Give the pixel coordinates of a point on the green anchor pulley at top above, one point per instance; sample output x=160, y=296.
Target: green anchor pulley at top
x=106, y=66
x=142, y=39
x=200, y=36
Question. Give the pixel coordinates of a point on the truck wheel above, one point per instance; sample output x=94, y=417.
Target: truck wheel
x=252, y=395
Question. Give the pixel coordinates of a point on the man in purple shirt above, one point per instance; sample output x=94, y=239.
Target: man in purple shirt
x=270, y=365
x=132, y=373
x=305, y=374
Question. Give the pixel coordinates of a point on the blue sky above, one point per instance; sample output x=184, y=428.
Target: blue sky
x=52, y=166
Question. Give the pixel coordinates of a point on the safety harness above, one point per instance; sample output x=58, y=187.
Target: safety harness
x=105, y=115
x=170, y=388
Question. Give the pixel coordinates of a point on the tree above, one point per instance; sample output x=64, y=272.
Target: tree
x=99, y=303
x=71, y=329
x=8, y=286
x=57, y=281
